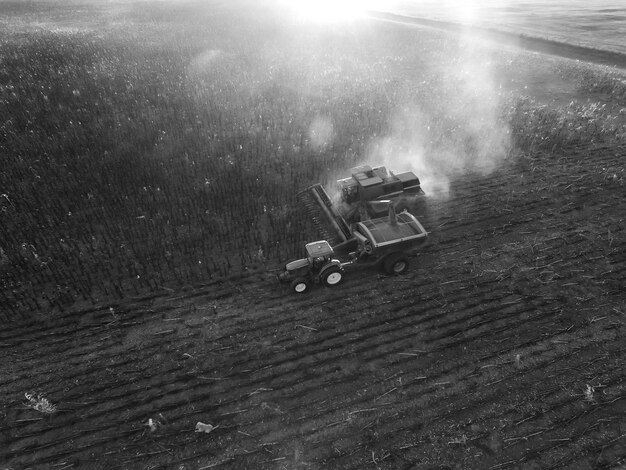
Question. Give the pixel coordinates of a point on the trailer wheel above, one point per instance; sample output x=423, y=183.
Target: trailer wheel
x=396, y=264
x=332, y=277
x=300, y=286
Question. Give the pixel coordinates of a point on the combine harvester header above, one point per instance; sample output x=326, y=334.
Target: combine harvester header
x=327, y=219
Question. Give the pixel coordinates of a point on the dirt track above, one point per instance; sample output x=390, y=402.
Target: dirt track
x=544, y=46
x=502, y=348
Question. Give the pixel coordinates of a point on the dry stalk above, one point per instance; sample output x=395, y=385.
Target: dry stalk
x=386, y=393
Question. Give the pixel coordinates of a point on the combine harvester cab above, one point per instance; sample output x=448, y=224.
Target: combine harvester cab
x=369, y=191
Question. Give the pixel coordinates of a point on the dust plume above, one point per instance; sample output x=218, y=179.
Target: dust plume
x=449, y=123
x=321, y=133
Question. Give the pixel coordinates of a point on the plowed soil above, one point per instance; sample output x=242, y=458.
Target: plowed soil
x=503, y=347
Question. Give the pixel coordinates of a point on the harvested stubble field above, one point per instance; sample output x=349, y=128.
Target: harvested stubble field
x=151, y=163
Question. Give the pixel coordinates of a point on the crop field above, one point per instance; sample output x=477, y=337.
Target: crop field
x=150, y=163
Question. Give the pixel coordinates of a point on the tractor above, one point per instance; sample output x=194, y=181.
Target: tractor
x=318, y=267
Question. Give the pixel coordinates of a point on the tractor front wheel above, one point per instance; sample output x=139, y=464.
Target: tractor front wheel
x=300, y=286
x=396, y=264
x=332, y=277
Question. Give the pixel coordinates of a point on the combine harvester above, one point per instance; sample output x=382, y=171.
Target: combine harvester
x=368, y=192
x=386, y=242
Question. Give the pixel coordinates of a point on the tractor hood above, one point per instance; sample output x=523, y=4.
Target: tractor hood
x=297, y=264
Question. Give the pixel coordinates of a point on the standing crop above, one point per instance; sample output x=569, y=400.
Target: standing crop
x=164, y=156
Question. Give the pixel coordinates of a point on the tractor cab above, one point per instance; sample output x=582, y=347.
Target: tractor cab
x=365, y=184
x=319, y=253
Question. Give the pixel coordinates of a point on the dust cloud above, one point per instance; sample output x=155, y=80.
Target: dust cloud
x=449, y=123
x=321, y=133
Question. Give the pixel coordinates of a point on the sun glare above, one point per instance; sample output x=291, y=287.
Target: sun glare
x=464, y=11
x=328, y=10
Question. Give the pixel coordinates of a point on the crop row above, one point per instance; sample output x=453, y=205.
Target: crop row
x=233, y=370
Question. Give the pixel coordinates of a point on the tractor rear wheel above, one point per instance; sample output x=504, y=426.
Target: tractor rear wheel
x=300, y=286
x=331, y=277
x=396, y=264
